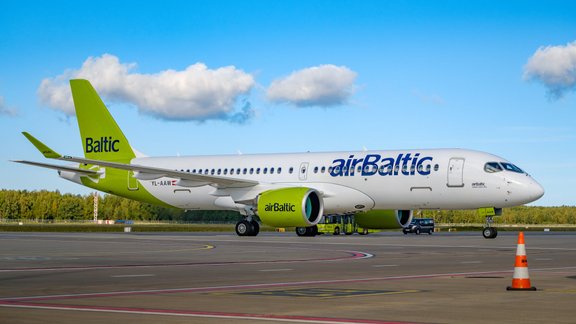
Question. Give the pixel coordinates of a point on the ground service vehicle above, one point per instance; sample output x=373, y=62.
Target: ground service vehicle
x=420, y=225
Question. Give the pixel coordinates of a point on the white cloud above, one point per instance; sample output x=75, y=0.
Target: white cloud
x=324, y=85
x=4, y=110
x=555, y=67
x=196, y=92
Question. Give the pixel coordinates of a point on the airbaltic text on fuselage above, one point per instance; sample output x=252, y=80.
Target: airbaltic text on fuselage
x=104, y=144
x=373, y=164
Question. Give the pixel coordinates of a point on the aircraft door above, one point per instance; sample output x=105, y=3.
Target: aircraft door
x=303, y=172
x=456, y=172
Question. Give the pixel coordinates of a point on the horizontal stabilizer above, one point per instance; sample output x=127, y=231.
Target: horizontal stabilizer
x=60, y=168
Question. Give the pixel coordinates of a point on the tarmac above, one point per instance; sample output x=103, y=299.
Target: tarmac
x=387, y=277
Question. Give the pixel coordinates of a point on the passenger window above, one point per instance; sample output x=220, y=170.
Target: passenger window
x=219, y=171
x=279, y=170
x=238, y=171
x=323, y=169
x=231, y=171
x=291, y=170
x=492, y=167
x=265, y=170
x=251, y=170
x=225, y=171
x=258, y=171
x=245, y=170
x=315, y=169
x=271, y=170
x=436, y=167
x=212, y=171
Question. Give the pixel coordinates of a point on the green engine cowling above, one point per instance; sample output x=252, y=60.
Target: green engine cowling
x=290, y=207
x=384, y=219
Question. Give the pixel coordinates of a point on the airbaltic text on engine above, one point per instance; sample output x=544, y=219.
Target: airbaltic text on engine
x=404, y=164
x=104, y=144
x=277, y=207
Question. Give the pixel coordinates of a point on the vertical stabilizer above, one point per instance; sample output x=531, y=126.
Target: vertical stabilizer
x=102, y=139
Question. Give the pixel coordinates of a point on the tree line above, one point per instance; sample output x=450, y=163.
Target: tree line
x=49, y=206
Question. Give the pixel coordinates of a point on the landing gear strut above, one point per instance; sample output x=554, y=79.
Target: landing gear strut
x=247, y=227
x=489, y=232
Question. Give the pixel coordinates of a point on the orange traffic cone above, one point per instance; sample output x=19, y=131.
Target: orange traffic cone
x=521, y=279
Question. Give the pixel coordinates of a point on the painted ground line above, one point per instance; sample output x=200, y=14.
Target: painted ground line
x=185, y=313
x=384, y=265
x=133, y=276
x=353, y=255
x=273, y=270
x=264, y=285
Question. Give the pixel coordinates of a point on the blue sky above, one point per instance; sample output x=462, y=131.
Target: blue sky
x=496, y=76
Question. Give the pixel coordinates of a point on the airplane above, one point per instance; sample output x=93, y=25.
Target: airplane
x=380, y=188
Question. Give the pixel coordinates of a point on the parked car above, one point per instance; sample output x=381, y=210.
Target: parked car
x=420, y=225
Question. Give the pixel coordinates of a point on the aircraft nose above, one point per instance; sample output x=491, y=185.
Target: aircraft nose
x=536, y=191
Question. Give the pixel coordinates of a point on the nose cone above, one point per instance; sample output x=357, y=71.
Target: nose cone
x=536, y=190
x=530, y=190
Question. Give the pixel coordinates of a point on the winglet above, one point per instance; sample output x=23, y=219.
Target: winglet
x=45, y=150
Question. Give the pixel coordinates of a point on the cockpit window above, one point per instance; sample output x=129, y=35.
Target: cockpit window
x=511, y=167
x=492, y=167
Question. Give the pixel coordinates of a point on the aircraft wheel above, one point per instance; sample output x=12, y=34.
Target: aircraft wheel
x=255, y=228
x=244, y=228
x=489, y=232
x=312, y=230
x=301, y=231
x=417, y=231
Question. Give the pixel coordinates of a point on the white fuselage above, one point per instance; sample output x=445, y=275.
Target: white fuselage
x=350, y=181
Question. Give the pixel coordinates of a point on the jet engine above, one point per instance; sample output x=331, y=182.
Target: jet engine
x=290, y=207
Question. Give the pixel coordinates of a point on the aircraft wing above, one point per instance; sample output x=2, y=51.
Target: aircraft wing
x=141, y=172
x=60, y=167
x=186, y=179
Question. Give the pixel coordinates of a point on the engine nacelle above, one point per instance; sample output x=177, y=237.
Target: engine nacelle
x=384, y=219
x=290, y=207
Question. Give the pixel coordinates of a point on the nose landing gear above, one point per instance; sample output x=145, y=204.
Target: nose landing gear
x=489, y=232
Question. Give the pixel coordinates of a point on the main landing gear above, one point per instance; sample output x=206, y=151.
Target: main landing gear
x=307, y=231
x=489, y=232
x=247, y=227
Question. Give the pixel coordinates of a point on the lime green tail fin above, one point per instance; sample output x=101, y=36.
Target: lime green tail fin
x=102, y=139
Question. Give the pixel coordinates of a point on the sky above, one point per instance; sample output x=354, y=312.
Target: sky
x=229, y=77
